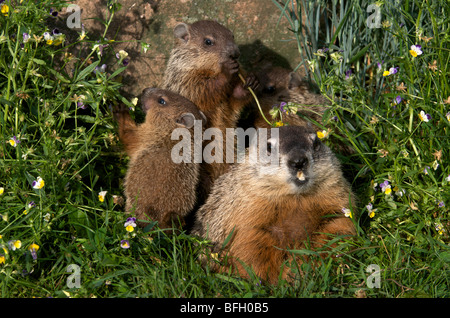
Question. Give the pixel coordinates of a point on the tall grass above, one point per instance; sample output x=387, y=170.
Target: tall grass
x=56, y=123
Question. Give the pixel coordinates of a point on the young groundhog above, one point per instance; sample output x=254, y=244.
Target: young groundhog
x=203, y=67
x=269, y=207
x=156, y=187
x=279, y=85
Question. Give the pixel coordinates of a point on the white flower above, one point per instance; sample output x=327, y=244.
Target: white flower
x=101, y=195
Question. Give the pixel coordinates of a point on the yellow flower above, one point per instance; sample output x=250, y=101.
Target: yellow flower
x=2, y=190
x=15, y=244
x=2, y=259
x=130, y=228
x=215, y=256
x=34, y=247
x=386, y=73
x=38, y=183
x=49, y=42
x=101, y=195
x=5, y=9
x=347, y=212
x=279, y=124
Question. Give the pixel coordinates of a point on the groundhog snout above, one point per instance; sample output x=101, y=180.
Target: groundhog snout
x=232, y=51
x=298, y=163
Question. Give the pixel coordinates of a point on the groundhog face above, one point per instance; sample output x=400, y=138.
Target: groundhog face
x=163, y=106
x=302, y=161
x=209, y=40
x=279, y=85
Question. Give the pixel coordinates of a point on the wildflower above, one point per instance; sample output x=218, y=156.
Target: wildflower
x=25, y=37
x=279, y=124
x=5, y=9
x=121, y=55
x=399, y=192
x=215, y=256
x=386, y=24
x=347, y=212
x=425, y=170
x=441, y=204
x=386, y=73
x=130, y=224
x=322, y=134
x=439, y=228
x=14, y=244
x=448, y=116
x=386, y=187
x=47, y=217
x=2, y=259
x=380, y=64
x=348, y=74
x=38, y=183
x=370, y=210
x=448, y=178
x=124, y=244
x=397, y=100
x=83, y=33
x=383, y=153
x=14, y=141
x=424, y=117
x=416, y=50
x=2, y=190
x=435, y=165
x=100, y=69
x=31, y=204
x=101, y=196
x=53, y=13
x=145, y=46
x=33, y=249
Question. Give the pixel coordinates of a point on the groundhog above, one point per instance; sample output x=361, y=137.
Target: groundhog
x=265, y=208
x=279, y=85
x=156, y=187
x=203, y=67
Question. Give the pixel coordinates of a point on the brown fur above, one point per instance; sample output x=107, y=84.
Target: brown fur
x=283, y=85
x=155, y=186
x=208, y=76
x=268, y=212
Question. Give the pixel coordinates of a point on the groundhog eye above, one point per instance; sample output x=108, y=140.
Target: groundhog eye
x=269, y=89
x=208, y=42
x=162, y=101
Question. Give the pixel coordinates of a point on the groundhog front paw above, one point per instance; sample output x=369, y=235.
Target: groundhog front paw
x=251, y=81
x=121, y=112
x=231, y=66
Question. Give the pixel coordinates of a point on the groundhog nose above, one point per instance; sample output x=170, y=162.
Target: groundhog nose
x=234, y=52
x=298, y=163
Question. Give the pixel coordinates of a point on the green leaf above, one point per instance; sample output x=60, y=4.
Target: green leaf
x=87, y=71
x=38, y=61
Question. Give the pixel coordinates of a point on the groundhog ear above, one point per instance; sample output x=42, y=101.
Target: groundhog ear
x=181, y=32
x=186, y=120
x=294, y=80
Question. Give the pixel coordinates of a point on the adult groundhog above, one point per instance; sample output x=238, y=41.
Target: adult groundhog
x=270, y=208
x=203, y=67
x=156, y=187
x=279, y=85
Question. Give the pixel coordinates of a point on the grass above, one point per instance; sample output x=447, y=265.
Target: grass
x=58, y=108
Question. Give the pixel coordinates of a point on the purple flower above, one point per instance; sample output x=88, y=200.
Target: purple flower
x=101, y=69
x=347, y=74
x=282, y=105
x=393, y=70
x=380, y=64
x=125, y=62
x=397, y=100
x=425, y=170
x=441, y=204
x=125, y=244
x=53, y=13
x=26, y=37
x=81, y=105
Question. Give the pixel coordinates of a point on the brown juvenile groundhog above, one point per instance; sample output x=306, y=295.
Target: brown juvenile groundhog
x=279, y=85
x=156, y=187
x=203, y=67
x=270, y=208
